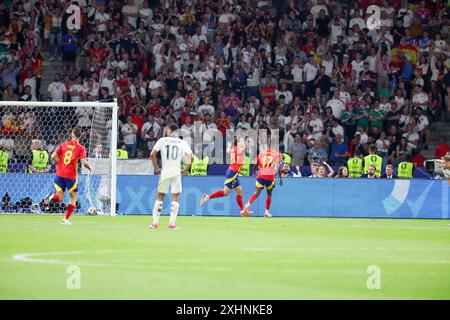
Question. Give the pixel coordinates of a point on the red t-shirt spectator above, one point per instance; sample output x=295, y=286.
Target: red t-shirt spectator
x=268, y=91
x=223, y=124
x=184, y=115
x=418, y=160
x=154, y=107
x=441, y=150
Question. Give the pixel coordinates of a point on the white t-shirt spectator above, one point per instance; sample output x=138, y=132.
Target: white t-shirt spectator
x=287, y=95
x=32, y=83
x=411, y=137
x=311, y=71
x=146, y=14
x=76, y=92
x=133, y=10
x=297, y=73
x=108, y=84
x=338, y=130
x=420, y=99
x=383, y=147
x=317, y=127
x=103, y=19
x=208, y=135
x=422, y=123
x=155, y=127
x=130, y=138
x=337, y=106
x=206, y=108
x=56, y=91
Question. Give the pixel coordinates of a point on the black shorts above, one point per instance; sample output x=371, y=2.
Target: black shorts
x=69, y=56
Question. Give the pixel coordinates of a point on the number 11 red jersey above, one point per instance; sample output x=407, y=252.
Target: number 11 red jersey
x=69, y=153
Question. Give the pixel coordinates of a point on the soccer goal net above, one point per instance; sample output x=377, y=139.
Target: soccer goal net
x=31, y=131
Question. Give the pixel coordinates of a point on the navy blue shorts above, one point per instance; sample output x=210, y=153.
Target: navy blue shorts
x=61, y=184
x=261, y=183
x=231, y=179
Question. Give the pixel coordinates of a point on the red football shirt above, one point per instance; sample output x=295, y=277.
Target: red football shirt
x=69, y=153
x=237, y=159
x=268, y=161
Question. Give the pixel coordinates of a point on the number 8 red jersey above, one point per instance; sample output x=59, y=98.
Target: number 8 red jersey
x=69, y=153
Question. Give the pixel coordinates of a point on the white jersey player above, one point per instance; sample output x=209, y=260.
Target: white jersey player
x=173, y=152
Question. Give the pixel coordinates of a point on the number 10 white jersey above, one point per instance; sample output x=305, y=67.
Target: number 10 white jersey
x=173, y=152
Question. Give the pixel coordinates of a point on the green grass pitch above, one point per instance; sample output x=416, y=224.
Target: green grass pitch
x=223, y=258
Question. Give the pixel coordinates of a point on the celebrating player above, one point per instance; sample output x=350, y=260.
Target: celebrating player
x=231, y=176
x=66, y=157
x=173, y=151
x=267, y=163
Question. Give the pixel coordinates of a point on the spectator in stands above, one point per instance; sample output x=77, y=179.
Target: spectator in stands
x=342, y=172
x=129, y=132
x=370, y=173
x=442, y=148
x=320, y=55
x=322, y=171
x=57, y=91
x=297, y=150
x=389, y=172
x=339, y=151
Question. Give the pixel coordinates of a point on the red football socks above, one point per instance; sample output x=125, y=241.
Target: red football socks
x=217, y=194
x=55, y=198
x=268, y=202
x=240, y=202
x=252, y=198
x=69, y=210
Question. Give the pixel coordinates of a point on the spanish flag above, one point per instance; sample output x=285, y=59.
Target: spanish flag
x=402, y=53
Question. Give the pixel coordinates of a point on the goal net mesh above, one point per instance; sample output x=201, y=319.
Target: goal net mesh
x=30, y=134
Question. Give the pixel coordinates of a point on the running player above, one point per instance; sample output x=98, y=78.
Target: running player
x=231, y=177
x=267, y=163
x=173, y=152
x=66, y=157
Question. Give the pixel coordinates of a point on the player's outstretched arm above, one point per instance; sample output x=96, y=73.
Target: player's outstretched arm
x=86, y=164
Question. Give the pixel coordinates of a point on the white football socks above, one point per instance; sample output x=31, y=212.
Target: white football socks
x=157, y=207
x=174, y=212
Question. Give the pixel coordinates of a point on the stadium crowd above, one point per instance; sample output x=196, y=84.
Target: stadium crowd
x=334, y=84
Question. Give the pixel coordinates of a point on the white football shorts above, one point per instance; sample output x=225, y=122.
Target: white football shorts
x=173, y=182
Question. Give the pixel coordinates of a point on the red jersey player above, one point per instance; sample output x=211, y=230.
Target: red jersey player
x=66, y=157
x=268, y=163
x=231, y=176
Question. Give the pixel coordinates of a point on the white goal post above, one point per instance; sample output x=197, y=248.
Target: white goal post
x=27, y=127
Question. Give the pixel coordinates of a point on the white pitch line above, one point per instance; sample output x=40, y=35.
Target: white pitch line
x=184, y=263
x=33, y=258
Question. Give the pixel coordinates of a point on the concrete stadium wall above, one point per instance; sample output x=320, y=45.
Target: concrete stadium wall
x=415, y=198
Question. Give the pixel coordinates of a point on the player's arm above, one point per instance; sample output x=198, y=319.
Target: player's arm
x=55, y=156
x=85, y=163
x=155, y=161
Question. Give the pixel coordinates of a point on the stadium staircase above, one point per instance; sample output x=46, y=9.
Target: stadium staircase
x=439, y=129
x=49, y=70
